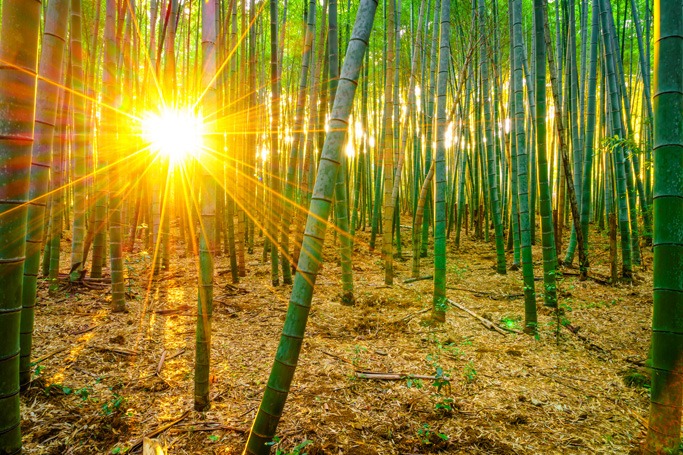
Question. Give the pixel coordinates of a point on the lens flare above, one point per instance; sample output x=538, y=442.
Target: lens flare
x=177, y=134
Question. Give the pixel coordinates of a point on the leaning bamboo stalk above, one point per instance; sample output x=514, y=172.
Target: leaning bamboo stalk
x=282, y=373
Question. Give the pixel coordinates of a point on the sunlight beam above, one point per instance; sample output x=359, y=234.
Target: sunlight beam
x=175, y=134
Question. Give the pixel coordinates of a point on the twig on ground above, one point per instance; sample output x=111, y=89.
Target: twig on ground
x=419, y=278
x=488, y=324
x=208, y=426
x=589, y=343
x=410, y=316
x=159, y=430
x=50, y=354
x=180, y=352
x=491, y=295
x=337, y=357
x=87, y=329
x=380, y=376
x=121, y=351
x=566, y=384
x=160, y=365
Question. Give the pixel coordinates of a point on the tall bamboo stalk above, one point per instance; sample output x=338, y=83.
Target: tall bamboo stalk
x=282, y=373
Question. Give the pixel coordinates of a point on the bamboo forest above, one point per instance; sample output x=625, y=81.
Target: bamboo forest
x=361, y=227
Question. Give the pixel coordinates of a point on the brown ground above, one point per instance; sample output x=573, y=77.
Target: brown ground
x=97, y=391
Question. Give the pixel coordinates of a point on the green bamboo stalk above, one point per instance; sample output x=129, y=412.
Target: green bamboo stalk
x=80, y=141
x=388, y=142
x=416, y=52
x=563, y=154
x=108, y=139
x=282, y=373
x=309, y=159
x=531, y=320
x=573, y=114
x=19, y=56
x=50, y=71
x=274, y=159
x=490, y=154
x=340, y=202
x=296, y=151
x=615, y=111
x=663, y=434
x=207, y=241
x=429, y=126
x=590, y=126
x=439, y=301
x=545, y=201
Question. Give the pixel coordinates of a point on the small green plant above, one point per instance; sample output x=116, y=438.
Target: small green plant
x=448, y=346
x=511, y=322
x=635, y=379
x=357, y=354
x=470, y=373
x=440, y=380
x=675, y=450
x=114, y=405
x=457, y=270
x=213, y=438
x=427, y=436
x=38, y=371
x=57, y=388
x=414, y=383
x=444, y=404
x=296, y=450
x=83, y=392
x=441, y=305
x=562, y=314
x=424, y=433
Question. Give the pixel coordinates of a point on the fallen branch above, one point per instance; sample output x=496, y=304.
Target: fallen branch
x=419, y=278
x=174, y=311
x=159, y=430
x=121, y=351
x=559, y=381
x=584, y=339
x=87, y=329
x=337, y=357
x=160, y=365
x=49, y=354
x=181, y=351
x=378, y=376
x=488, y=324
x=208, y=426
x=411, y=315
x=597, y=278
x=491, y=295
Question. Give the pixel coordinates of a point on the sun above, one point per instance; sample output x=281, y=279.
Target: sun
x=177, y=134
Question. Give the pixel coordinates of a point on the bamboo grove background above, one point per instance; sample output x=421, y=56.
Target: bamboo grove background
x=512, y=122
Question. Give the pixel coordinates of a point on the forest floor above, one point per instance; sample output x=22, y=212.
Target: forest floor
x=105, y=380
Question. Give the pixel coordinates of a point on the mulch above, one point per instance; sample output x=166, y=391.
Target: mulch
x=106, y=380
